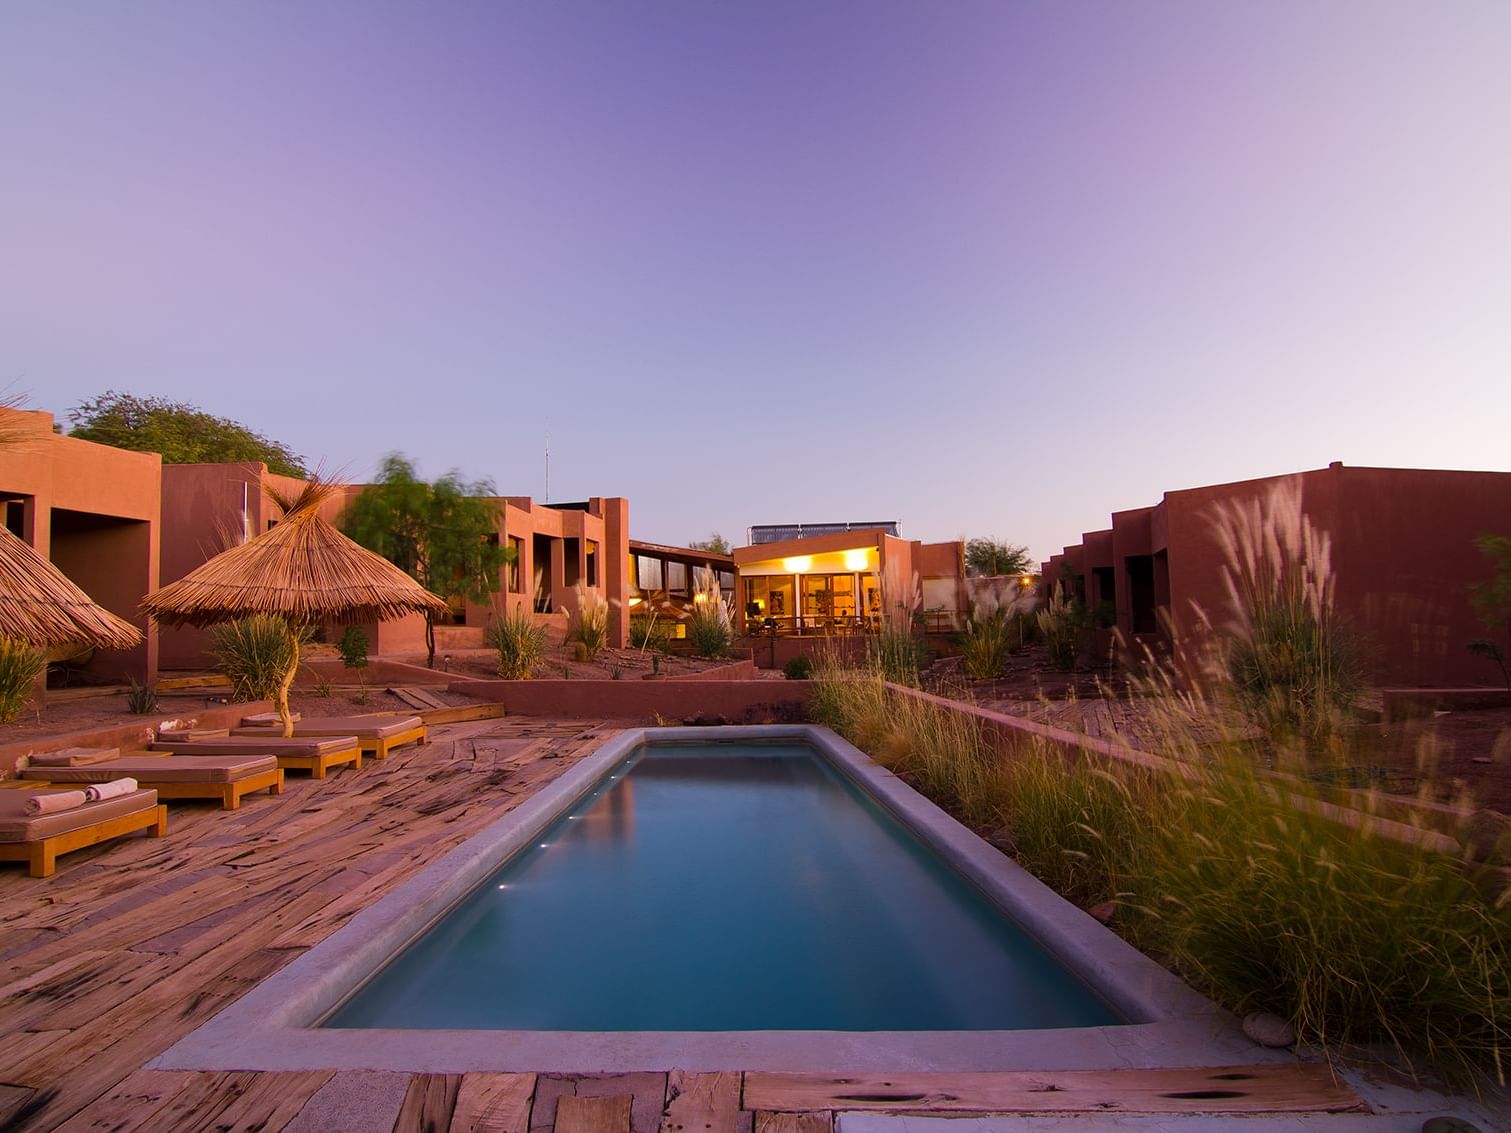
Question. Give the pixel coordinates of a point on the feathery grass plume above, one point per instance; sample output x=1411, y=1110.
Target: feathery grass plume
x=895, y=650
x=1062, y=627
x=255, y=653
x=519, y=641
x=710, y=625
x=1294, y=669
x=588, y=623
x=20, y=666
x=994, y=628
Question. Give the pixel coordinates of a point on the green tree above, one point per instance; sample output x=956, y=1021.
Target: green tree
x=986, y=557
x=439, y=534
x=182, y=433
x=1491, y=600
x=715, y=543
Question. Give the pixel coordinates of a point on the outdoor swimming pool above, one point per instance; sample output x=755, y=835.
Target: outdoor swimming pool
x=916, y=923
x=725, y=887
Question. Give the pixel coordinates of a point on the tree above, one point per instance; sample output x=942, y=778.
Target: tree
x=181, y=433
x=1491, y=600
x=440, y=534
x=986, y=557
x=715, y=544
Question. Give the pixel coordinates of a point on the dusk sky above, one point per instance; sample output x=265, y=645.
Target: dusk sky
x=985, y=268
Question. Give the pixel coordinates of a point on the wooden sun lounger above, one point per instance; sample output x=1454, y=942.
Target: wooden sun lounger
x=226, y=778
x=378, y=734
x=315, y=754
x=39, y=839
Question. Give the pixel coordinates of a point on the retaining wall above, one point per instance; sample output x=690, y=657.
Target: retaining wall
x=737, y=701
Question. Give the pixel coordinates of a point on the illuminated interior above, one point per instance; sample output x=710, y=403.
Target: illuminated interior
x=832, y=592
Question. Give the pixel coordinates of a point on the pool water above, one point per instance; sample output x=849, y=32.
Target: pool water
x=721, y=887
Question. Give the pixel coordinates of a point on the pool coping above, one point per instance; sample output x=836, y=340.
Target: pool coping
x=270, y=1027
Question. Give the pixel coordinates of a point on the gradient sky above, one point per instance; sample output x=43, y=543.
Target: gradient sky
x=986, y=268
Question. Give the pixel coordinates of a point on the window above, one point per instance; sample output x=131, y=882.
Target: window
x=647, y=573
x=592, y=563
x=516, y=563
x=676, y=578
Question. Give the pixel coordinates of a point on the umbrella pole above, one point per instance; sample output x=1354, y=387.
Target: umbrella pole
x=288, y=679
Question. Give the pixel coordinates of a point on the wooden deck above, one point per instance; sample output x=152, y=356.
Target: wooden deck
x=132, y=945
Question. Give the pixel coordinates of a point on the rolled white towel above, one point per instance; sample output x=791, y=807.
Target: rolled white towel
x=110, y=790
x=54, y=802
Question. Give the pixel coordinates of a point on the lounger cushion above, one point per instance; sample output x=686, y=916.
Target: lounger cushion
x=16, y=826
x=380, y=727
x=188, y=735
x=73, y=756
x=254, y=745
x=259, y=719
x=161, y=769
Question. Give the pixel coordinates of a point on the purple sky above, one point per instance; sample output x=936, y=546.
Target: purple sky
x=986, y=268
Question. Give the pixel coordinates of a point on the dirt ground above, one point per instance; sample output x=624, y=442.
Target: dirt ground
x=1450, y=757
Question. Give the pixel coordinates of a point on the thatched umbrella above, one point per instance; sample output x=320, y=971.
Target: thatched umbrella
x=304, y=571
x=41, y=606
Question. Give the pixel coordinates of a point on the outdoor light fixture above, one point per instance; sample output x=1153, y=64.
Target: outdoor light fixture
x=798, y=564
x=857, y=560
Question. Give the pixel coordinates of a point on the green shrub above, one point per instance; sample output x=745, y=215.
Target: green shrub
x=519, y=641
x=255, y=653
x=353, y=647
x=20, y=666
x=800, y=668
x=588, y=623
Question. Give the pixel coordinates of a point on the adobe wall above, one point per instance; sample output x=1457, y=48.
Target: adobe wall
x=738, y=701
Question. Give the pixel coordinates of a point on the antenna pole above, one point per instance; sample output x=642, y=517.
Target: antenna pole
x=548, y=469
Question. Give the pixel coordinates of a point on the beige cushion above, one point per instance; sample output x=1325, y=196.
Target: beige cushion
x=73, y=756
x=368, y=727
x=259, y=719
x=255, y=745
x=161, y=769
x=185, y=735
x=17, y=826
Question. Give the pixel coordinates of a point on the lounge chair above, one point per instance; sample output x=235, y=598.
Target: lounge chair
x=378, y=734
x=316, y=754
x=226, y=778
x=39, y=839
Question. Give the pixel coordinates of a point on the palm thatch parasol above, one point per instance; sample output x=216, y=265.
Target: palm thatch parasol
x=304, y=571
x=41, y=606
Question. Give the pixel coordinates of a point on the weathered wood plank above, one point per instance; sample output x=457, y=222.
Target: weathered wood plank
x=701, y=1103
x=13, y=1099
x=1271, y=1088
x=768, y=1122
x=493, y=1103
x=270, y=1101
x=429, y=1103
x=131, y=1104
x=607, y=1114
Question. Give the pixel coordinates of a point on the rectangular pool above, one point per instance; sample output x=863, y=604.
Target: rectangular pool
x=725, y=887
x=675, y=900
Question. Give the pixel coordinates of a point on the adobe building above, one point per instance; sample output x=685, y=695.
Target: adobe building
x=94, y=511
x=845, y=583
x=667, y=579
x=1403, y=557
x=209, y=507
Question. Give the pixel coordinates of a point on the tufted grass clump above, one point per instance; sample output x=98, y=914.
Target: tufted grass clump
x=255, y=653
x=588, y=623
x=1252, y=886
x=20, y=666
x=519, y=642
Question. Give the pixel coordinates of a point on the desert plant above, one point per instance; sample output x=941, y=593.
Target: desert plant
x=518, y=640
x=141, y=699
x=800, y=668
x=1293, y=667
x=648, y=631
x=710, y=630
x=255, y=654
x=988, y=639
x=655, y=664
x=353, y=648
x=20, y=666
x=616, y=673
x=1061, y=625
x=588, y=623
x=321, y=687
